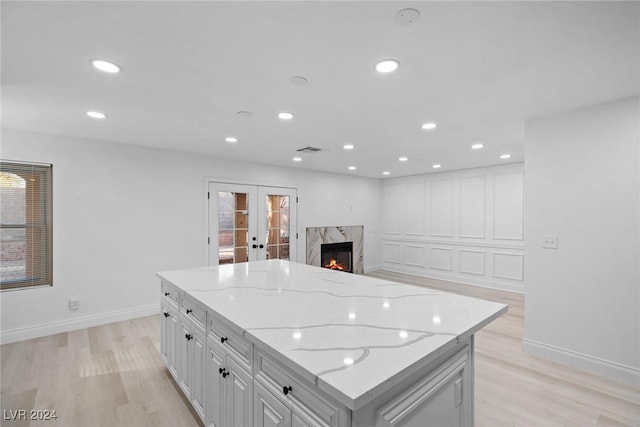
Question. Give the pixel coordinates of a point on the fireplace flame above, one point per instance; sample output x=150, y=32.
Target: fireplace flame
x=335, y=265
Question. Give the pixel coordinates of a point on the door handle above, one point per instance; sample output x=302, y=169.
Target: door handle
x=254, y=246
x=261, y=246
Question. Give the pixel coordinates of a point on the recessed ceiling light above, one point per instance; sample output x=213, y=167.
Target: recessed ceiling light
x=505, y=156
x=429, y=126
x=385, y=173
x=96, y=115
x=352, y=168
x=297, y=159
x=285, y=116
x=477, y=146
x=348, y=146
x=437, y=166
x=231, y=139
x=348, y=361
x=403, y=159
x=387, y=65
x=106, y=66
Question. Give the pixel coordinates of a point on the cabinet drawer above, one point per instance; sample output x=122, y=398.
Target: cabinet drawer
x=304, y=399
x=193, y=311
x=235, y=344
x=170, y=292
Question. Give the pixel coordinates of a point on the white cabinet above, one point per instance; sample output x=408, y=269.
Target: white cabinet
x=169, y=334
x=305, y=405
x=269, y=411
x=231, y=379
x=229, y=388
x=191, y=347
x=442, y=398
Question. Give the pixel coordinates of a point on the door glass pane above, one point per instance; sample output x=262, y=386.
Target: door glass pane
x=233, y=224
x=277, y=226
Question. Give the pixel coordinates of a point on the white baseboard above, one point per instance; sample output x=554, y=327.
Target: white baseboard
x=480, y=281
x=584, y=362
x=36, y=331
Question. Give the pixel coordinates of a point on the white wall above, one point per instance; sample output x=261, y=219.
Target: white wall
x=582, y=180
x=122, y=213
x=465, y=226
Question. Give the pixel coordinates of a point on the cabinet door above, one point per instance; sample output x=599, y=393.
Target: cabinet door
x=215, y=386
x=184, y=357
x=304, y=418
x=268, y=410
x=441, y=399
x=172, y=341
x=197, y=349
x=164, y=329
x=239, y=395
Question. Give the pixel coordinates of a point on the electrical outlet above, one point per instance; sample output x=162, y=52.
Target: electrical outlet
x=74, y=304
x=550, y=241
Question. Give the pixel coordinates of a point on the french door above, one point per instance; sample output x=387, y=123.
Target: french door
x=249, y=223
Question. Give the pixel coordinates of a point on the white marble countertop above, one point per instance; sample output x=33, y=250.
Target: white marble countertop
x=349, y=333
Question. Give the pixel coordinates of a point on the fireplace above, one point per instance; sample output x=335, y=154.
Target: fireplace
x=337, y=256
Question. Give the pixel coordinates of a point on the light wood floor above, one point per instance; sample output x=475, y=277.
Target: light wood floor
x=113, y=375
x=515, y=389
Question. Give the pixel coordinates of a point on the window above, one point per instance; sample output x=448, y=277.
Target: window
x=26, y=227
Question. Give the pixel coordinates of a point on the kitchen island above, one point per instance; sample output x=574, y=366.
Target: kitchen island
x=286, y=344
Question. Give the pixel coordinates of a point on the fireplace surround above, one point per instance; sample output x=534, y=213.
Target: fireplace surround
x=319, y=236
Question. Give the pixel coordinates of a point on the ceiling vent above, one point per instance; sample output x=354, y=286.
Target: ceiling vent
x=310, y=150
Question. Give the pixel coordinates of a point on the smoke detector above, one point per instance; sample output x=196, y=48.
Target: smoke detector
x=407, y=17
x=298, y=80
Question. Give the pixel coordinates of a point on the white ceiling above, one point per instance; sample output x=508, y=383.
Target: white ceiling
x=478, y=69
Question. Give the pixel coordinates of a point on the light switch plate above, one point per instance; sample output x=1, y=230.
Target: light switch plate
x=550, y=241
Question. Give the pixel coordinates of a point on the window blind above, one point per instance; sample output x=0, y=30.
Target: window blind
x=25, y=225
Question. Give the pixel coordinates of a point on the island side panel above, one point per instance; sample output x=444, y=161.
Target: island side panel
x=440, y=394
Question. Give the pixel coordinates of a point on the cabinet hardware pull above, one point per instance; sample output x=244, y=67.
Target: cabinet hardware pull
x=225, y=374
x=189, y=337
x=261, y=246
x=286, y=390
x=166, y=294
x=223, y=339
x=189, y=310
x=166, y=314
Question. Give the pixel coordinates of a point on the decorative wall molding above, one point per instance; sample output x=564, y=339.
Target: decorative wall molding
x=41, y=330
x=418, y=260
x=508, y=270
x=472, y=207
x=442, y=208
x=441, y=259
x=585, y=362
x=487, y=245
x=508, y=206
x=391, y=253
x=465, y=261
x=472, y=222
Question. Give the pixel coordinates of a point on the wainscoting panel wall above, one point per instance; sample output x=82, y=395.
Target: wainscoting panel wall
x=466, y=226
